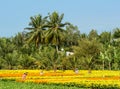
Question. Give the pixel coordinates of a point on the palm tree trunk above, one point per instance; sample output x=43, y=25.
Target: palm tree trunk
x=54, y=67
x=103, y=65
x=9, y=66
x=57, y=48
x=89, y=71
x=109, y=66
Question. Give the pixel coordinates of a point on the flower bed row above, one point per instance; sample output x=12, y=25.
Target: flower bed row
x=95, y=79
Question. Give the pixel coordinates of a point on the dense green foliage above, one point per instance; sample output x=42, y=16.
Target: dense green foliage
x=18, y=85
x=46, y=43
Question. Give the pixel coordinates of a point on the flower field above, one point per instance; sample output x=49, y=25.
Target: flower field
x=83, y=78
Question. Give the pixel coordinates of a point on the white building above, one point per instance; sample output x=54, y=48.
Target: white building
x=69, y=53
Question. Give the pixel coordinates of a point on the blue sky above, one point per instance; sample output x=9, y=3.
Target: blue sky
x=101, y=15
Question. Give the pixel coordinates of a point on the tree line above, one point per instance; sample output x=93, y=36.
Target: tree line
x=44, y=44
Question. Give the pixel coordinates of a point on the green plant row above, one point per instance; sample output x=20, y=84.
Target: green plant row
x=12, y=84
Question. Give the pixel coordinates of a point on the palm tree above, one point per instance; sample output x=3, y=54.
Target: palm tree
x=11, y=59
x=55, y=31
x=36, y=34
x=18, y=40
x=26, y=61
x=116, y=33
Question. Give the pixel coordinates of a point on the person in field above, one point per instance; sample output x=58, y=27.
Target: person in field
x=76, y=71
x=24, y=76
x=41, y=72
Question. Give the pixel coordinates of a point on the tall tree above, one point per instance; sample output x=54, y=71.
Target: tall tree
x=88, y=52
x=35, y=33
x=105, y=38
x=93, y=34
x=72, y=35
x=56, y=30
x=116, y=33
x=116, y=37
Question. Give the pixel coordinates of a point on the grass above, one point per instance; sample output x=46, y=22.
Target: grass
x=20, y=85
